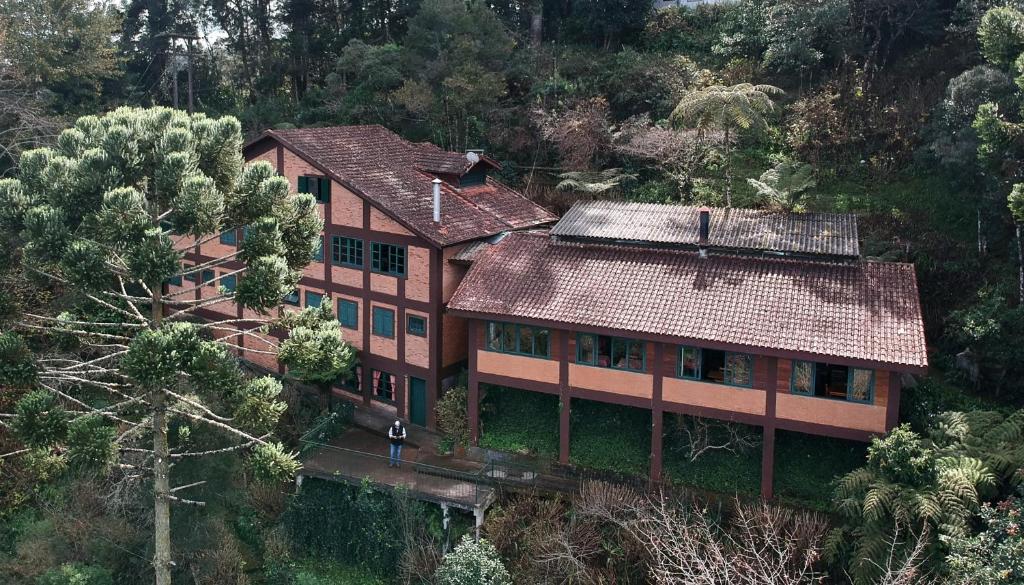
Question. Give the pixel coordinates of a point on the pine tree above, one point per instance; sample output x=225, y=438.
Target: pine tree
x=105, y=218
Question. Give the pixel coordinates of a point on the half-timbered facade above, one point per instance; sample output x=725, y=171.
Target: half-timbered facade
x=768, y=319
x=394, y=214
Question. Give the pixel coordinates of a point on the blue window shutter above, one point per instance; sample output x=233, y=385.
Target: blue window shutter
x=303, y=184
x=325, y=189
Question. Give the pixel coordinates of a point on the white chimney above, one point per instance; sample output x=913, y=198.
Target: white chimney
x=437, y=200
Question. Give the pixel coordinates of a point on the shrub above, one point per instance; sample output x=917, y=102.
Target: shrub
x=452, y=416
x=76, y=574
x=473, y=563
x=519, y=421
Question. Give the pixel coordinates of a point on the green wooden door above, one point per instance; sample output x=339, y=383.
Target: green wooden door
x=418, y=401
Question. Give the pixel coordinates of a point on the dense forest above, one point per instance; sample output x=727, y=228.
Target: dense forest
x=909, y=113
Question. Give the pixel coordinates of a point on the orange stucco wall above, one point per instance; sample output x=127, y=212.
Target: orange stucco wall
x=720, y=396
x=838, y=413
x=455, y=346
x=346, y=207
x=609, y=380
x=417, y=349
x=517, y=366
x=417, y=281
x=379, y=222
x=383, y=283
x=451, y=274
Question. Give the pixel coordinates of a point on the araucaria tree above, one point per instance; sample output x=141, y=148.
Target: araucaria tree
x=105, y=218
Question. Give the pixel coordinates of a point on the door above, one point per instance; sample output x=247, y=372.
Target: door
x=418, y=401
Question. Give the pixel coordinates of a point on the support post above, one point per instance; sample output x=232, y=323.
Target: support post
x=478, y=517
x=657, y=413
x=565, y=405
x=768, y=463
x=445, y=521
x=298, y=483
x=473, y=408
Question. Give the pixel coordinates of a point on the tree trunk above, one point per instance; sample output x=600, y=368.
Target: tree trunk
x=1020, y=264
x=728, y=169
x=161, y=471
x=537, y=27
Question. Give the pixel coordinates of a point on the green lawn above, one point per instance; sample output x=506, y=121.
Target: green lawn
x=317, y=571
x=610, y=437
x=519, y=421
x=806, y=466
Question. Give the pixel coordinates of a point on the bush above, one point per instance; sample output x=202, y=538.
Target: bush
x=76, y=574
x=452, y=416
x=473, y=563
x=610, y=437
x=519, y=421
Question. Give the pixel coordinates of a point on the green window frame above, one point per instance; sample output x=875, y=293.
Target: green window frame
x=318, y=187
x=348, y=314
x=318, y=256
x=416, y=325
x=314, y=299
x=623, y=353
x=738, y=366
x=384, y=385
x=347, y=251
x=229, y=282
x=516, y=339
x=387, y=259
x=229, y=237
x=860, y=385
x=801, y=380
x=383, y=322
x=291, y=298
x=208, y=277
x=689, y=362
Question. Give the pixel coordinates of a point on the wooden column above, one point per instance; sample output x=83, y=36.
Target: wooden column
x=768, y=447
x=474, y=385
x=564, y=400
x=657, y=413
x=892, y=406
x=367, y=318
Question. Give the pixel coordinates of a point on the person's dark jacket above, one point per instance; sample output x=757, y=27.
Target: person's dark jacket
x=396, y=434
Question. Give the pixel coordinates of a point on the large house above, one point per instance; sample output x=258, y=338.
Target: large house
x=434, y=267
x=769, y=319
x=395, y=213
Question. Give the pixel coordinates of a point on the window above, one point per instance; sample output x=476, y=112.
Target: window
x=716, y=366
x=208, y=277
x=313, y=299
x=475, y=176
x=383, y=322
x=229, y=238
x=348, y=314
x=416, y=325
x=833, y=381
x=319, y=187
x=292, y=298
x=175, y=280
x=347, y=251
x=351, y=380
x=318, y=256
x=387, y=259
x=229, y=282
x=519, y=339
x=611, y=352
x=192, y=277
x=383, y=386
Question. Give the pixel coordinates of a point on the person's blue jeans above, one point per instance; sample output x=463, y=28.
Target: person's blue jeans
x=396, y=455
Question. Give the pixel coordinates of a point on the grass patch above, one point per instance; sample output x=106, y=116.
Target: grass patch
x=610, y=437
x=806, y=467
x=319, y=571
x=519, y=421
x=716, y=471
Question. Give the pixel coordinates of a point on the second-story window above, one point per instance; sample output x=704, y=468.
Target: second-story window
x=319, y=187
x=318, y=256
x=833, y=381
x=313, y=299
x=611, y=352
x=208, y=277
x=347, y=251
x=383, y=322
x=229, y=237
x=292, y=298
x=387, y=259
x=348, y=314
x=416, y=325
x=712, y=365
x=519, y=339
x=229, y=282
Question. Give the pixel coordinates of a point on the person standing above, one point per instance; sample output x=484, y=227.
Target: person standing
x=396, y=433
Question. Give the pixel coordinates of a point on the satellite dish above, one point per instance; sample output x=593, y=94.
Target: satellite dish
x=472, y=157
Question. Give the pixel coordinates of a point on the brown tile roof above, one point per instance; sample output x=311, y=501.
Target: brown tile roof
x=866, y=311
x=828, y=234
x=470, y=252
x=391, y=172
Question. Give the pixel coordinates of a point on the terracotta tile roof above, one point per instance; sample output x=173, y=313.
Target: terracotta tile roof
x=859, y=311
x=824, y=234
x=437, y=160
x=470, y=252
x=391, y=172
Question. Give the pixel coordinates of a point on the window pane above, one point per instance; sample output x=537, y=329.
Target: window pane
x=208, y=277
x=689, y=362
x=313, y=299
x=619, y=356
x=292, y=298
x=604, y=351
x=318, y=256
x=585, y=349
x=540, y=343
x=636, y=355
x=861, y=382
x=417, y=325
x=508, y=337
x=229, y=282
x=228, y=238
x=494, y=336
x=348, y=314
x=803, y=378
x=738, y=369
x=525, y=340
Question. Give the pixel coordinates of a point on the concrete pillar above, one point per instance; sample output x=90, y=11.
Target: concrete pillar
x=298, y=483
x=473, y=408
x=445, y=522
x=563, y=428
x=768, y=463
x=478, y=517
x=657, y=419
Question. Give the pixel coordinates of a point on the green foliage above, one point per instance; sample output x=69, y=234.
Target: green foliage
x=91, y=443
x=76, y=574
x=519, y=421
x=453, y=417
x=988, y=326
x=315, y=350
x=258, y=407
x=473, y=563
x=1001, y=35
x=17, y=366
x=40, y=421
x=996, y=553
x=807, y=467
x=781, y=186
x=272, y=463
x=610, y=437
